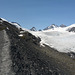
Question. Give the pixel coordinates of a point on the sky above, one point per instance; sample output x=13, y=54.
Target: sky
x=38, y=13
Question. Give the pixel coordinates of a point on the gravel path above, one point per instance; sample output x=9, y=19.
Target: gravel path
x=5, y=59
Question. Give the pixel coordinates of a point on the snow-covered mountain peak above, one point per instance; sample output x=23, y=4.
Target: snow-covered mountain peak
x=51, y=27
x=33, y=29
x=62, y=25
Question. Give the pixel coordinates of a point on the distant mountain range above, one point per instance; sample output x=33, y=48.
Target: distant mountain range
x=49, y=27
x=53, y=26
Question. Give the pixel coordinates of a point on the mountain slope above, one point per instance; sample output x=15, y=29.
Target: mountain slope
x=28, y=57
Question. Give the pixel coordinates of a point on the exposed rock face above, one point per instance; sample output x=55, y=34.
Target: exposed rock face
x=72, y=55
x=33, y=29
x=24, y=55
x=51, y=27
x=71, y=29
x=62, y=25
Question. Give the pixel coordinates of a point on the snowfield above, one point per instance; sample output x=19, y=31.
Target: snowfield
x=58, y=38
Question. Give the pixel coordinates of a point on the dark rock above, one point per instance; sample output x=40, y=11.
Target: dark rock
x=62, y=25
x=71, y=29
x=33, y=29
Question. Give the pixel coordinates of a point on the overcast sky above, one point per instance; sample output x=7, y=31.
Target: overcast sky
x=38, y=13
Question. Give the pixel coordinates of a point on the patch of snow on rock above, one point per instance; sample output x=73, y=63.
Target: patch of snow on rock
x=15, y=24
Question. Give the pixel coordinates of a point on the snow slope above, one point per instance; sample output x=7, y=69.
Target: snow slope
x=59, y=38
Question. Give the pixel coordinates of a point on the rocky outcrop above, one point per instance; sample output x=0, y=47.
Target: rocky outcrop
x=71, y=29
x=62, y=25
x=33, y=29
x=51, y=27
x=25, y=56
